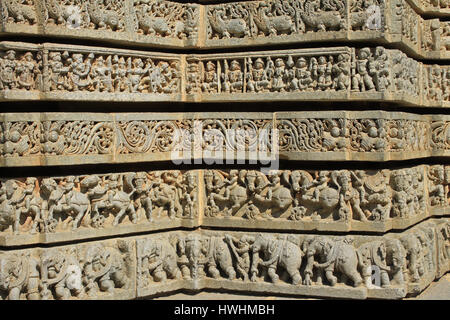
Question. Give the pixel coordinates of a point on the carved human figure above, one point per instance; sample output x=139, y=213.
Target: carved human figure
x=141, y=195
x=362, y=79
x=436, y=188
x=27, y=69
x=233, y=78
x=324, y=69
x=257, y=76
x=341, y=70
x=101, y=73
x=165, y=193
x=302, y=80
x=58, y=71
x=64, y=200
x=80, y=69
x=11, y=196
x=240, y=249
x=381, y=72
x=119, y=74
x=280, y=75
x=8, y=65
x=348, y=194
x=210, y=79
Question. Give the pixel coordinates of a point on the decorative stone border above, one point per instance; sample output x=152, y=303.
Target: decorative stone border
x=56, y=209
x=49, y=139
x=168, y=24
x=312, y=265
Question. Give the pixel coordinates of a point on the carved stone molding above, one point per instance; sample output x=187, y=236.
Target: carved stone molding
x=54, y=209
x=48, y=139
x=300, y=265
x=51, y=72
x=169, y=24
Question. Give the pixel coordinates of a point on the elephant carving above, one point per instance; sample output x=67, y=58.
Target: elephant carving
x=159, y=259
x=277, y=253
x=104, y=269
x=387, y=255
x=217, y=255
x=332, y=257
x=19, y=274
x=62, y=273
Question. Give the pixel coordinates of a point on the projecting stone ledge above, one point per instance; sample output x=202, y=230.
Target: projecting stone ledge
x=299, y=265
x=51, y=72
x=50, y=139
x=168, y=24
x=76, y=207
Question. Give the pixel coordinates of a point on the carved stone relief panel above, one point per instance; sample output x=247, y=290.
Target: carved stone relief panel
x=320, y=265
x=326, y=199
x=50, y=209
x=85, y=14
x=47, y=139
x=95, y=270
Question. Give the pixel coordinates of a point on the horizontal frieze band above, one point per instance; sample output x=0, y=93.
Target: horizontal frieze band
x=168, y=24
x=60, y=139
x=75, y=207
x=355, y=267
x=52, y=72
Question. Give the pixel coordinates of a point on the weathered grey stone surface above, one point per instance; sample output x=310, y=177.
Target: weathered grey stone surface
x=302, y=265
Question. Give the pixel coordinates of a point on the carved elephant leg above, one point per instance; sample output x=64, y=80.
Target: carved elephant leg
x=294, y=273
x=355, y=277
x=330, y=277
x=61, y=292
x=14, y=293
x=106, y=285
x=272, y=272
x=213, y=271
x=385, y=283
x=366, y=272
x=159, y=274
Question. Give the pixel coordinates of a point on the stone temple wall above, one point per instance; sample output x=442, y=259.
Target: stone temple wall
x=296, y=147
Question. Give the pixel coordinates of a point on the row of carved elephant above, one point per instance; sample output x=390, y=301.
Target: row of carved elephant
x=58, y=204
x=94, y=270
x=120, y=268
x=299, y=260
